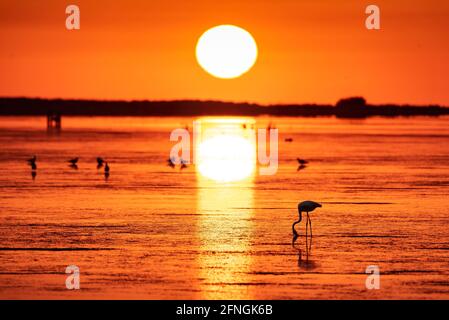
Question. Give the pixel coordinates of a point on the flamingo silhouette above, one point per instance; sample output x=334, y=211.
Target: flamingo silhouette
x=305, y=206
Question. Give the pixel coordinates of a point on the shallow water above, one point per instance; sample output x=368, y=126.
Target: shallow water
x=153, y=232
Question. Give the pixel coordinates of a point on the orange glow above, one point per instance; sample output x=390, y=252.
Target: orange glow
x=309, y=51
x=226, y=148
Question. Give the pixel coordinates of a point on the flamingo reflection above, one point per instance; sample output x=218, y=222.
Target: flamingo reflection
x=303, y=263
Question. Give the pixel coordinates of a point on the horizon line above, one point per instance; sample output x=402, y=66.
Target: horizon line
x=217, y=101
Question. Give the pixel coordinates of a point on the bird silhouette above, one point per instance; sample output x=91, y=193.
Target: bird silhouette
x=183, y=164
x=302, y=161
x=100, y=162
x=32, y=163
x=73, y=161
x=305, y=206
x=171, y=162
x=32, y=160
x=301, y=167
x=106, y=171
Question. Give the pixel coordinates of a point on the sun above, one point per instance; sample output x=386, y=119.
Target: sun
x=226, y=51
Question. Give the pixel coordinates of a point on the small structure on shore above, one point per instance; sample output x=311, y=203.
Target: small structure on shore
x=53, y=121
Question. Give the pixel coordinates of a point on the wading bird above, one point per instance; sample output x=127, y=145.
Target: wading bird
x=106, y=171
x=32, y=163
x=183, y=164
x=100, y=162
x=305, y=206
x=171, y=162
x=32, y=160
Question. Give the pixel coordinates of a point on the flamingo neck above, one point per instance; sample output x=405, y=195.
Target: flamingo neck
x=296, y=222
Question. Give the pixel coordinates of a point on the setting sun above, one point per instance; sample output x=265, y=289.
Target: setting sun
x=226, y=51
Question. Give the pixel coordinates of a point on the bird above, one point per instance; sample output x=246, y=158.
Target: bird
x=32, y=160
x=183, y=164
x=301, y=166
x=73, y=161
x=106, y=171
x=100, y=162
x=288, y=139
x=302, y=161
x=305, y=206
x=171, y=162
x=32, y=163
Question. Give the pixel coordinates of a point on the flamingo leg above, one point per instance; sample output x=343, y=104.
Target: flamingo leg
x=307, y=225
x=310, y=222
x=307, y=243
x=311, y=235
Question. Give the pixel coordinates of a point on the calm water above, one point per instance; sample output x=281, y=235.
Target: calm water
x=154, y=232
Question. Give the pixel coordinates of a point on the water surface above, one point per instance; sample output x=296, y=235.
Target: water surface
x=153, y=232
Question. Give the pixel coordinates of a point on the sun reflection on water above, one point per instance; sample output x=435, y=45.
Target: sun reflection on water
x=225, y=148
x=226, y=160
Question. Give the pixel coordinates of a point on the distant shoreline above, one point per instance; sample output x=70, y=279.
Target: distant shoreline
x=343, y=109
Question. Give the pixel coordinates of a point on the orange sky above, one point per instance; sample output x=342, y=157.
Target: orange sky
x=309, y=51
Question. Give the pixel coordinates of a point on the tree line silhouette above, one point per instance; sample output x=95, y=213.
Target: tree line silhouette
x=355, y=107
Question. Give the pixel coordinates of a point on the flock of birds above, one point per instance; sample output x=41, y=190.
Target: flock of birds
x=305, y=206
x=73, y=163
x=101, y=163
x=171, y=162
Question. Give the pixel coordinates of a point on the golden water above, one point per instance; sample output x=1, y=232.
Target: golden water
x=154, y=232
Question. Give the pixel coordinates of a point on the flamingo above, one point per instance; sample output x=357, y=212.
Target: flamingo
x=305, y=206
